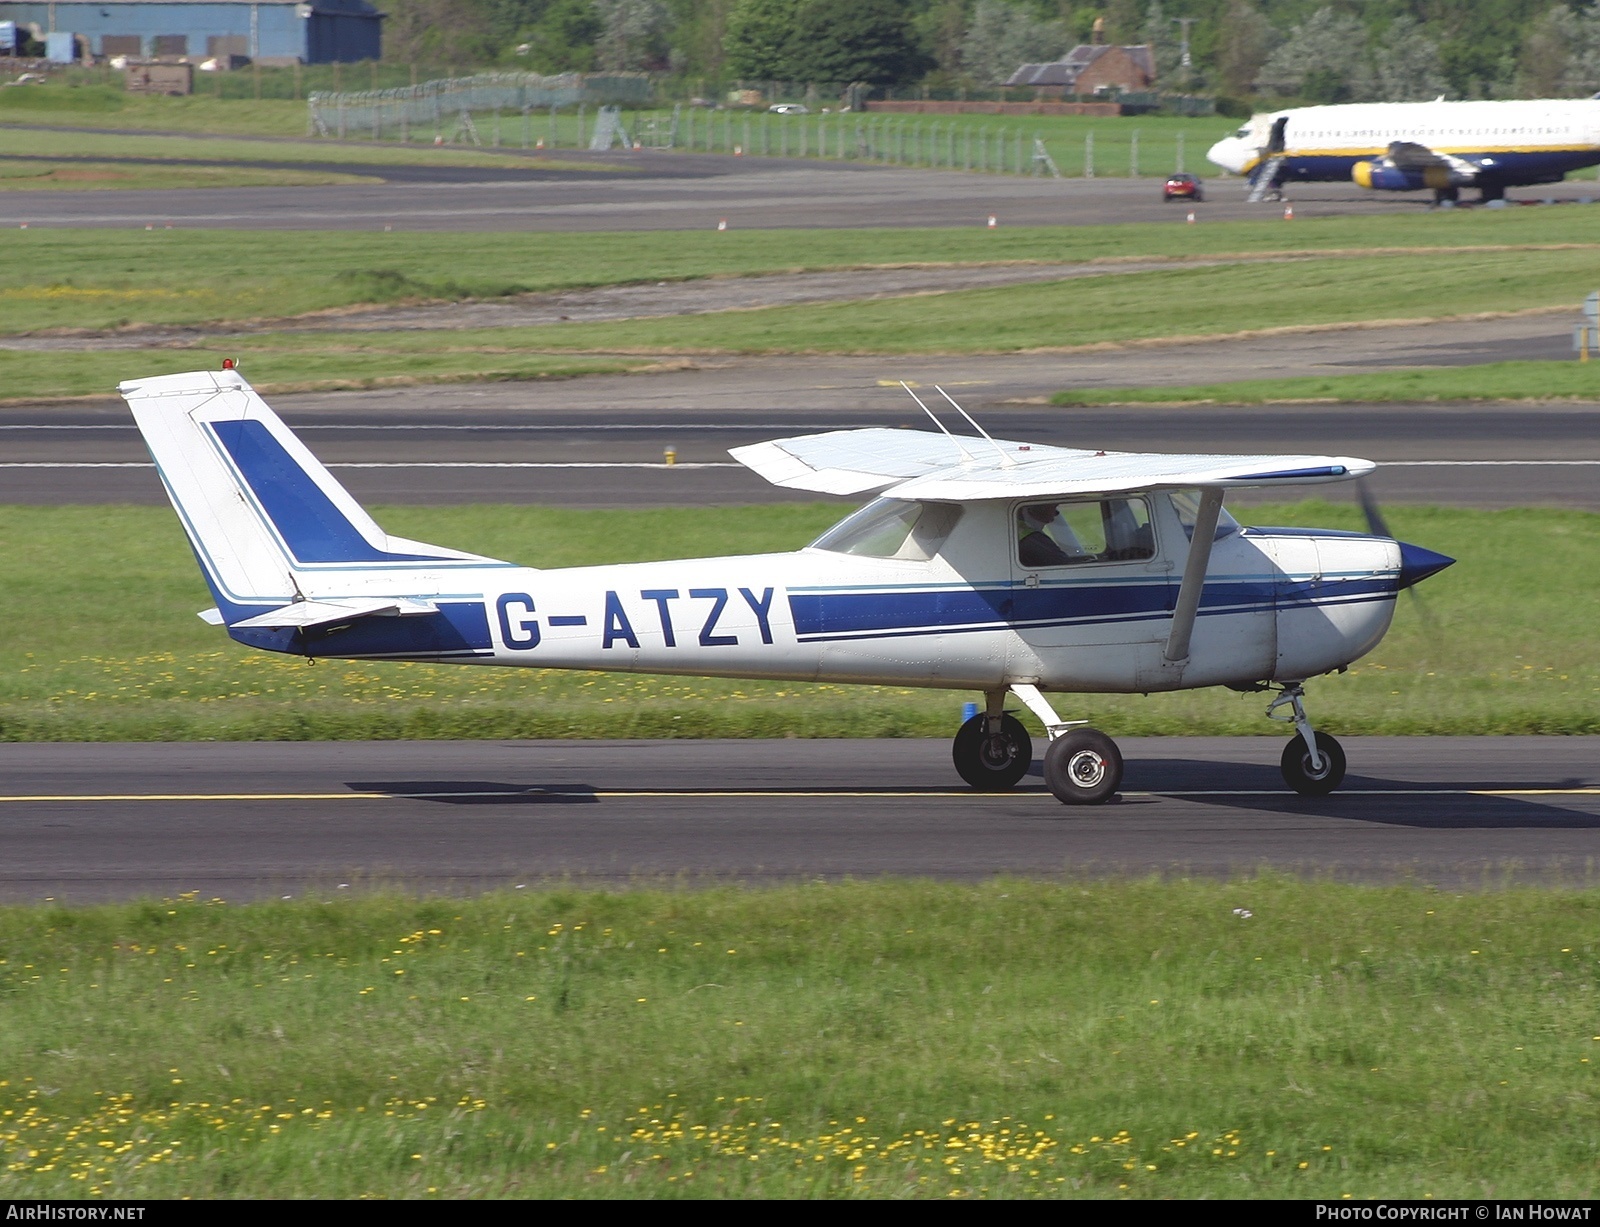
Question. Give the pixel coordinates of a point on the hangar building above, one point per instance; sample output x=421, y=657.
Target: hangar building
x=270, y=31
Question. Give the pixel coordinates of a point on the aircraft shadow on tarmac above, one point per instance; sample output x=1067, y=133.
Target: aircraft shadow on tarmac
x=1242, y=786
x=479, y=792
x=487, y=792
x=1366, y=798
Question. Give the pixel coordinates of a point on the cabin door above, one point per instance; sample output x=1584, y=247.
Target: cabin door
x=1092, y=596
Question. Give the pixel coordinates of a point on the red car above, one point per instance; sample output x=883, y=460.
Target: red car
x=1182, y=187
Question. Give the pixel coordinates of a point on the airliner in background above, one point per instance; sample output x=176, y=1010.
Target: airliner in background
x=1416, y=146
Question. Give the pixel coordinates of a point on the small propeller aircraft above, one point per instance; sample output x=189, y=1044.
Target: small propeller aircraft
x=1003, y=567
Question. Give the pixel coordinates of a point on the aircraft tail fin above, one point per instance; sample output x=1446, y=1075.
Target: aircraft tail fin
x=269, y=524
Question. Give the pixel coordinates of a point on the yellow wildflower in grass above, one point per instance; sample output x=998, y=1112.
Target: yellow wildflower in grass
x=978, y=1152
x=114, y=1142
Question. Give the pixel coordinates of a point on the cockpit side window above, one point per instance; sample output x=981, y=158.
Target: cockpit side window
x=1072, y=533
x=1187, y=504
x=892, y=528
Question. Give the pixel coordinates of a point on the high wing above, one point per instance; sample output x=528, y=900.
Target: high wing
x=918, y=464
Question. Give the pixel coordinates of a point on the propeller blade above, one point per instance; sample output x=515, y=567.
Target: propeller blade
x=1429, y=623
x=1379, y=527
x=1376, y=524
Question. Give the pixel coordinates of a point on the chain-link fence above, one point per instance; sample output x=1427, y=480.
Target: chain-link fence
x=584, y=111
x=444, y=108
x=958, y=142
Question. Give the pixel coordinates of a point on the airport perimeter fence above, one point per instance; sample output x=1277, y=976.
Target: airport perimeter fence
x=443, y=110
x=573, y=111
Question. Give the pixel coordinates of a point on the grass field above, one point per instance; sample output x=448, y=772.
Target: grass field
x=94, y=106
x=1177, y=302
x=1514, y=649
x=1148, y=145
x=33, y=176
x=1145, y=145
x=295, y=364
x=15, y=142
x=110, y=280
x=106, y=278
x=1180, y=302
x=1507, y=381
x=1142, y=1039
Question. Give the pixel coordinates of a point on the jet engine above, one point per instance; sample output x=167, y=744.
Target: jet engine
x=1409, y=167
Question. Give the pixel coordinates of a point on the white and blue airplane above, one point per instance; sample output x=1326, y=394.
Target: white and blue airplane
x=1416, y=146
x=985, y=564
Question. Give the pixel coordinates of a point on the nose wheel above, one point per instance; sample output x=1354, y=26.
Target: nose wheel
x=1313, y=762
x=1313, y=778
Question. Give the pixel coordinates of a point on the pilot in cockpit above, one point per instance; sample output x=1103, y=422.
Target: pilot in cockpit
x=1043, y=537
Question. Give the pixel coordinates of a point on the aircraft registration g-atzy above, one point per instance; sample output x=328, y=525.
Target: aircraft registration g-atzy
x=983, y=564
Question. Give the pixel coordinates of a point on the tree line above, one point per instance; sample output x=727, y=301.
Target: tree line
x=1306, y=50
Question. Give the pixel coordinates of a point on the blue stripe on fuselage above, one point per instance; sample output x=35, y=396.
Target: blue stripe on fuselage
x=899, y=612
x=1509, y=169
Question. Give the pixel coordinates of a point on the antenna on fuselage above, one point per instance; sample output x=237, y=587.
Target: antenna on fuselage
x=965, y=454
x=1005, y=460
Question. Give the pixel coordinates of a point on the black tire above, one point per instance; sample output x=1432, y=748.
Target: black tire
x=1083, y=767
x=992, y=763
x=1297, y=772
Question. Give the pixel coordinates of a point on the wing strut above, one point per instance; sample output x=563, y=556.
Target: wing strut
x=1194, y=573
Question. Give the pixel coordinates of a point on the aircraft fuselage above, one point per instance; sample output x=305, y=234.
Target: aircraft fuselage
x=1481, y=144
x=1277, y=604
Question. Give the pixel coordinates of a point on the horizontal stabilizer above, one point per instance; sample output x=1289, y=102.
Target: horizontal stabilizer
x=305, y=615
x=921, y=465
x=211, y=617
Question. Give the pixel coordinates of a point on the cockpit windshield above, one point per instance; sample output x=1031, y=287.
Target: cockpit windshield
x=1243, y=133
x=892, y=528
x=1187, y=504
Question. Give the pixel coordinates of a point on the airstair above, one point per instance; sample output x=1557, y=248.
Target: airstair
x=1043, y=163
x=608, y=130
x=1261, y=183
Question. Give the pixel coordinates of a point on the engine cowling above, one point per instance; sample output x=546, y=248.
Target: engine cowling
x=1384, y=176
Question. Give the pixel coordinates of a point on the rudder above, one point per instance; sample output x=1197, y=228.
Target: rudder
x=265, y=517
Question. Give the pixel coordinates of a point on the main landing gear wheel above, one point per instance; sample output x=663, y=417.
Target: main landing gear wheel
x=1299, y=773
x=1083, y=767
x=992, y=755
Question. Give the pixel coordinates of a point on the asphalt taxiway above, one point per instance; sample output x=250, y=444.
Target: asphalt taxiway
x=655, y=190
x=606, y=445
x=238, y=820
